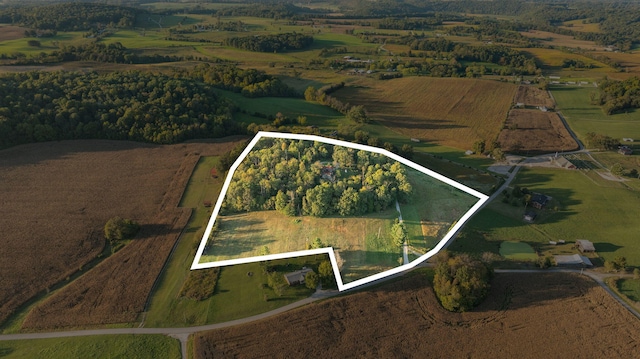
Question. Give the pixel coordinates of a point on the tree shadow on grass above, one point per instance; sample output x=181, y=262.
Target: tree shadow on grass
x=606, y=247
x=5, y=351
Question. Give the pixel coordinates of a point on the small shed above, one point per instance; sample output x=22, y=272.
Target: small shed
x=297, y=277
x=563, y=162
x=585, y=246
x=624, y=150
x=530, y=216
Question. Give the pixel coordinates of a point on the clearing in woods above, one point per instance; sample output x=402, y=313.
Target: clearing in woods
x=360, y=247
x=448, y=111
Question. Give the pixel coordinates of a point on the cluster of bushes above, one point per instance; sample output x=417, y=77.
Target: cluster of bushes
x=600, y=141
x=200, y=284
x=461, y=282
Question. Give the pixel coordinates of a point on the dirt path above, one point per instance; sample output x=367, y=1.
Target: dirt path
x=405, y=245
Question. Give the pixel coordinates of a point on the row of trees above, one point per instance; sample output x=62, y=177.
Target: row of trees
x=271, y=43
x=316, y=179
x=69, y=16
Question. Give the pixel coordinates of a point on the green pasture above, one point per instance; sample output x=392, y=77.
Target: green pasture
x=431, y=211
x=47, y=44
x=139, y=39
x=160, y=22
x=584, y=117
x=603, y=212
x=517, y=251
x=630, y=288
x=100, y=346
x=233, y=298
x=188, y=5
x=316, y=113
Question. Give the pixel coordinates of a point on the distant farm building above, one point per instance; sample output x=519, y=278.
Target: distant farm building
x=572, y=260
x=297, y=277
x=539, y=200
x=530, y=216
x=585, y=246
x=563, y=162
x=624, y=150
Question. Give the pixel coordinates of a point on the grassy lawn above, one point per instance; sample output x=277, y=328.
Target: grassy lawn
x=587, y=209
x=103, y=346
x=584, y=117
x=517, y=251
x=630, y=288
x=46, y=43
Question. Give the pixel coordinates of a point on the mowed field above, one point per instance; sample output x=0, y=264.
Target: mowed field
x=551, y=38
x=531, y=315
x=56, y=198
x=534, y=131
x=448, y=111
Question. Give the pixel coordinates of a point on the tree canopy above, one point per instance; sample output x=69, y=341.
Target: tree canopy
x=461, y=282
x=316, y=179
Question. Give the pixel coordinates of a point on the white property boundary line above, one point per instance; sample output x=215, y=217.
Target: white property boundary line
x=329, y=250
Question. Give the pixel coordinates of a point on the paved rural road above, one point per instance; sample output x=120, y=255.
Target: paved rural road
x=181, y=334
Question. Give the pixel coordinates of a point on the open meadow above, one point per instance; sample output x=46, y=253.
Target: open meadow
x=525, y=316
x=447, y=111
x=76, y=187
x=584, y=117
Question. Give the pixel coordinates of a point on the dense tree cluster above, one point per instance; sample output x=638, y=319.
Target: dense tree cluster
x=271, y=43
x=95, y=51
x=249, y=82
x=316, y=179
x=41, y=106
x=69, y=16
x=461, y=282
x=600, y=141
x=615, y=96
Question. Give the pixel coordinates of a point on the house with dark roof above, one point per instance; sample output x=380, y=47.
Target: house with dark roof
x=297, y=277
x=539, y=200
x=585, y=246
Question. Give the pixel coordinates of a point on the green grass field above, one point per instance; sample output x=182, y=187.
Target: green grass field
x=234, y=298
x=587, y=209
x=584, y=117
x=47, y=44
x=518, y=251
x=103, y=346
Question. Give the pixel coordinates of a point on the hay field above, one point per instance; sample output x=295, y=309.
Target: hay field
x=10, y=32
x=448, y=111
x=577, y=25
x=553, y=39
x=553, y=59
x=533, y=96
x=534, y=131
x=56, y=198
x=536, y=315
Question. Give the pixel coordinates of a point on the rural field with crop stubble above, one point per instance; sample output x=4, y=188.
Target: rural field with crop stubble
x=448, y=111
x=56, y=198
x=535, y=132
x=532, y=315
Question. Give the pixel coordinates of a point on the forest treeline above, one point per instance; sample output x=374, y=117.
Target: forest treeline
x=615, y=96
x=271, y=43
x=69, y=16
x=316, y=179
x=132, y=105
x=137, y=106
x=95, y=51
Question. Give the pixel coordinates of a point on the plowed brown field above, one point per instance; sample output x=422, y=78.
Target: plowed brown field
x=535, y=132
x=551, y=315
x=9, y=32
x=448, y=111
x=56, y=197
x=533, y=96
